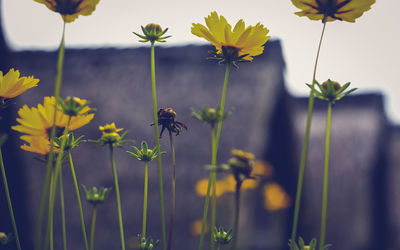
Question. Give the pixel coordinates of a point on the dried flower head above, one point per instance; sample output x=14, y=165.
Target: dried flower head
x=166, y=118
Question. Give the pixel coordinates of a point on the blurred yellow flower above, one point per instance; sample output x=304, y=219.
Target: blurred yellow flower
x=195, y=227
x=71, y=9
x=344, y=10
x=38, y=121
x=247, y=42
x=11, y=85
x=37, y=144
x=109, y=128
x=275, y=198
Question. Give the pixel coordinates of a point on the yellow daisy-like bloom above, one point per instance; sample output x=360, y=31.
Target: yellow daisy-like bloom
x=71, y=9
x=37, y=144
x=11, y=85
x=38, y=121
x=245, y=41
x=331, y=10
x=109, y=128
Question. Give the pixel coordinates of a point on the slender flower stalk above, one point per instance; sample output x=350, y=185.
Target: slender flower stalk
x=47, y=185
x=212, y=177
x=93, y=227
x=326, y=169
x=236, y=216
x=171, y=222
x=10, y=208
x=53, y=183
x=159, y=163
x=304, y=153
x=121, y=227
x=62, y=206
x=146, y=189
x=78, y=197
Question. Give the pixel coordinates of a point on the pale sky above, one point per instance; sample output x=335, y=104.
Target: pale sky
x=365, y=53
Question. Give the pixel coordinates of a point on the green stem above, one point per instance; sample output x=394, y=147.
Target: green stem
x=160, y=179
x=10, y=208
x=64, y=231
x=50, y=159
x=214, y=187
x=93, y=227
x=212, y=177
x=146, y=187
x=53, y=184
x=45, y=193
x=121, y=228
x=206, y=203
x=219, y=247
x=78, y=197
x=236, y=218
x=326, y=168
x=171, y=222
x=304, y=153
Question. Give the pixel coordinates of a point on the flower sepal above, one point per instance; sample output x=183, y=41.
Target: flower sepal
x=5, y=238
x=230, y=55
x=152, y=33
x=73, y=106
x=331, y=91
x=211, y=115
x=147, y=243
x=70, y=142
x=96, y=195
x=301, y=246
x=221, y=237
x=145, y=154
x=111, y=136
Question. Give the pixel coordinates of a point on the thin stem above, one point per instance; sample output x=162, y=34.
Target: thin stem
x=50, y=159
x=53, y=184
x=304, y=153
x=206, y=203
x=64, y=231
x=121, y=228
x=45, y=193
x=78, y=197
x=219, y=247
x=326, y=168
x=146, y=187
x=10, y=208
x=93, y=227
x=236, y=218
x=171, y=221
x=156, y=130
x=212, y=177
x=214, y=187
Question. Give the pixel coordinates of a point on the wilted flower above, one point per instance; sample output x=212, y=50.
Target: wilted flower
x=11, y=85
x=241, y=165
x=166, y=118
x=153, y=33
x=331, y=10
x=241, y=44
x=71, y=9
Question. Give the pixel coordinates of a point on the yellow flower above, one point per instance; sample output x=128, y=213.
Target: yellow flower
x=109, y=128
x=11, y=85
x=247, y=42
x=71, y=9
x=275, y=198
x=38, y=121
x=37, y=144
x=343, y=10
